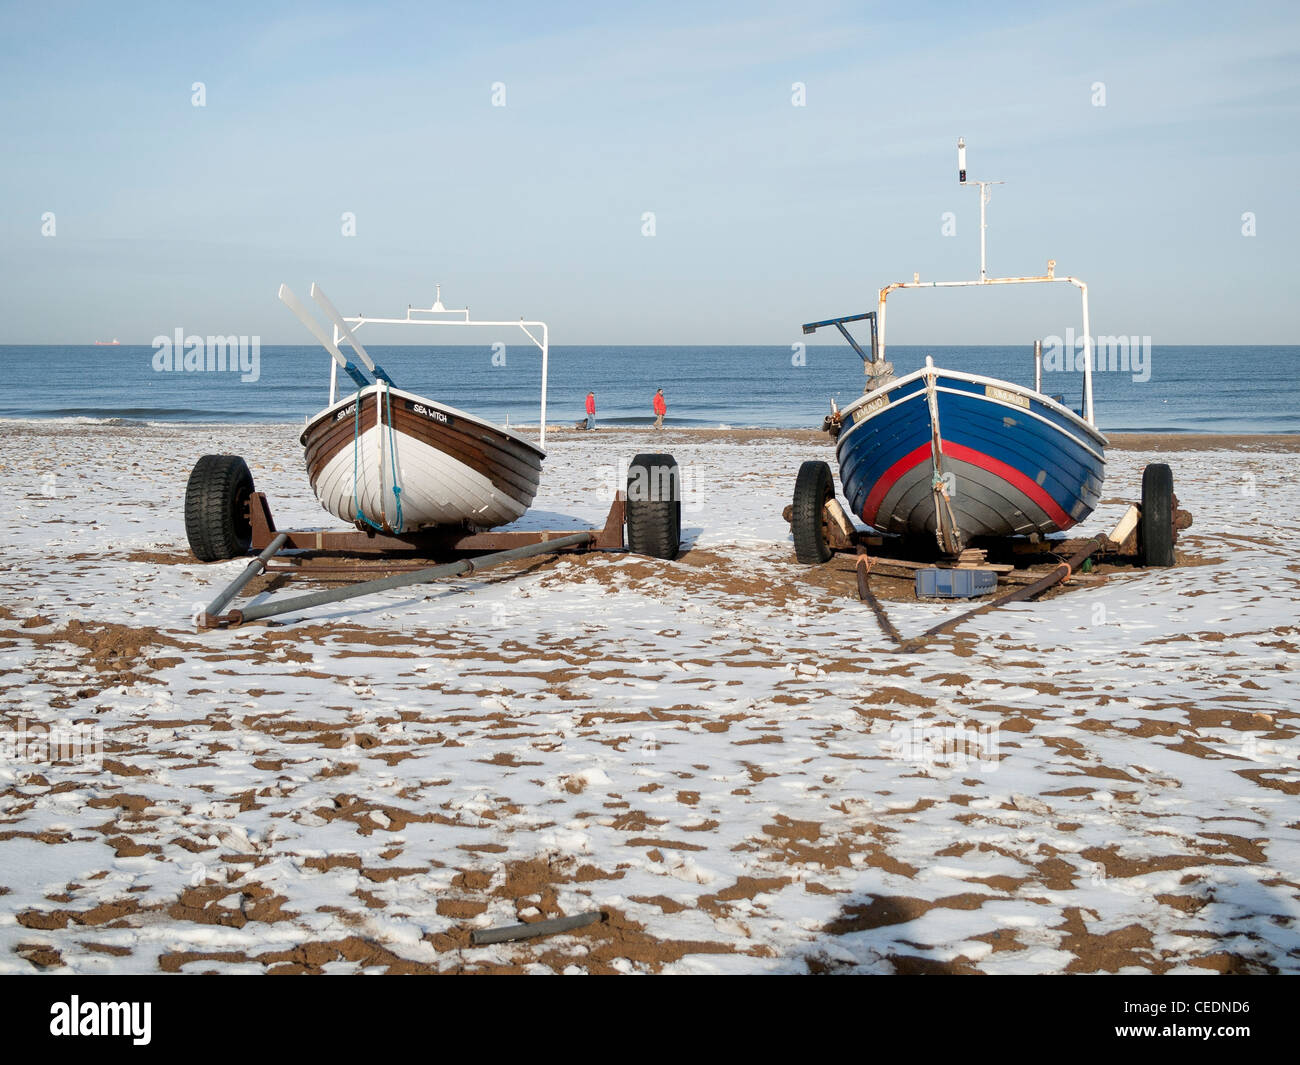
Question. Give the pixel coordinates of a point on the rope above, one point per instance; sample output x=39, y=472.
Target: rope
x=1069, y=570
x=392, y=450
x=939, y=485
x=392, y=456
x=356, y=450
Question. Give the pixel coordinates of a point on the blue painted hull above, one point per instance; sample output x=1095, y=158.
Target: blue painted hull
x=957, y=456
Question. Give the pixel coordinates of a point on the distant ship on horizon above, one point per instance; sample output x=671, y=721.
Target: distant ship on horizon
x=107, y=343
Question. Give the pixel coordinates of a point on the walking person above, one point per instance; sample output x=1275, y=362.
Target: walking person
x=661, y=408
x=591, y=410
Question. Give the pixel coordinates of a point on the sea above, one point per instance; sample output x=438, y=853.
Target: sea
x=1203, y=389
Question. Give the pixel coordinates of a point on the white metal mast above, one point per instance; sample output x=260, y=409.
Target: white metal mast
x=986, y=194
x=421, y=316
x=984, y=279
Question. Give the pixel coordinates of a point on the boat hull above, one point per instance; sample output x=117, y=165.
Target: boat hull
x=958, y=457
x=451, y=468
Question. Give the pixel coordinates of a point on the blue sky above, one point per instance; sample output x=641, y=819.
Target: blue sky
x=766, y=214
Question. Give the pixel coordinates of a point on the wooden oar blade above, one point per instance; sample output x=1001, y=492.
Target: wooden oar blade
x=291, y=301
x=323, y=301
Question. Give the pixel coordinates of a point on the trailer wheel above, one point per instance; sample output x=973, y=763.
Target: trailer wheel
x=216, y=508
x=1156, y=529
x=654, y=506
x=812, y=488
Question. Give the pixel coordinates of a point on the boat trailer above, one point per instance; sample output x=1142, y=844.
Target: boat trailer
x=649, y=510
x=1145, y=535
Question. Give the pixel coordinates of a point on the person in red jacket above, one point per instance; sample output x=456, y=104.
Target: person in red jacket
x=591, y=410
x=661, y=408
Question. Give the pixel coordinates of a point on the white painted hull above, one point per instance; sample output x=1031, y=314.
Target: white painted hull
x=436, y=489
x=452, y=468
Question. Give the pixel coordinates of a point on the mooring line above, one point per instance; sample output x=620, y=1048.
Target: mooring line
x=869, y=597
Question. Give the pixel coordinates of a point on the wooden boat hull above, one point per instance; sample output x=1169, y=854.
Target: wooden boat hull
x=452, y=468
x=958, y=457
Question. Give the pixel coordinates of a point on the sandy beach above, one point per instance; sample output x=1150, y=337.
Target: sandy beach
x=722, y=753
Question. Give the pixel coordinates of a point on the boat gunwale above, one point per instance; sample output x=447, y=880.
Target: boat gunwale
x=979, y=379
x=377, y=388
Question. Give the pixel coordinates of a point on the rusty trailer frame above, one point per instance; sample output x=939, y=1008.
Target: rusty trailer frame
x=467, y=550
x=439, y=542
x=1122, y=543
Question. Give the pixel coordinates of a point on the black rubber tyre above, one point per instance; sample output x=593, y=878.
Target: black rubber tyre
x=813, y=487
x=1156, y=530
x=654, y=506
x=216, y=508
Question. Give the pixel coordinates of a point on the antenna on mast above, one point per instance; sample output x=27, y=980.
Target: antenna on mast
x=986, y=194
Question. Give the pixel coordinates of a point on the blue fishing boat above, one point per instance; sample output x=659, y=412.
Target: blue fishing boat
x=956, y=456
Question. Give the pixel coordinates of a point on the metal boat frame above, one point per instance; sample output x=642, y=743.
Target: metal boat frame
x=875, y=363
x=346, y=328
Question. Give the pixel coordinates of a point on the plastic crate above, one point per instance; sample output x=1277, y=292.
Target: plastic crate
x=954, y=583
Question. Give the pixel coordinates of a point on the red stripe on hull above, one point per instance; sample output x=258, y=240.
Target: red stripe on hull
x=1013, y=477
x=889, y=478
x=1001, y=470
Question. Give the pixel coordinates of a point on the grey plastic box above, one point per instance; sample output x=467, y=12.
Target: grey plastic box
x=954, y=583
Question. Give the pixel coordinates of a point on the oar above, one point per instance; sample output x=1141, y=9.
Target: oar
x=324, y=302
x=291, y=301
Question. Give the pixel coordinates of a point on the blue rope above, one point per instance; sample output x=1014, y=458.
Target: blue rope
x=392, y=461
x=356, y=449
x=392, y=446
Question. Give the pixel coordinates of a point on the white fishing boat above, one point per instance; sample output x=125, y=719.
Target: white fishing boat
x=395, y=460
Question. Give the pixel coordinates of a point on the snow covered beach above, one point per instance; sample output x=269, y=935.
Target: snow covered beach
x=722, y=753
